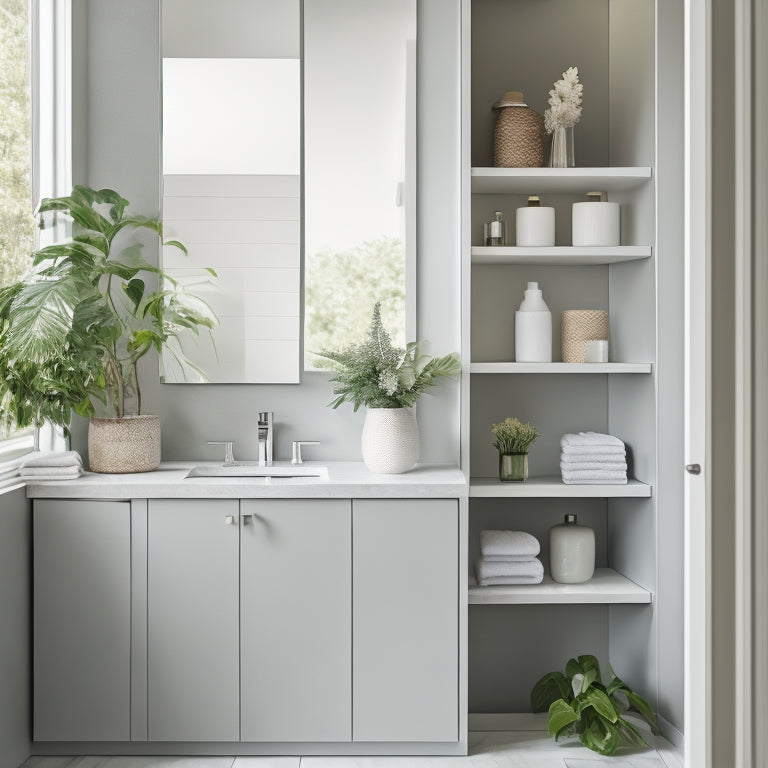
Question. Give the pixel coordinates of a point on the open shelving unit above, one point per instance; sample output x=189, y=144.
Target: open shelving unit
x=630, y=149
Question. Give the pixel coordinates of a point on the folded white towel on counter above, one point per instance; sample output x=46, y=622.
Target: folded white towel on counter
x=50, y=473
x=528, y=572
x=590, y=440
x=597, y=476
x=507, y=558
x=586, y=466
x=52, y=459
x=509, y=543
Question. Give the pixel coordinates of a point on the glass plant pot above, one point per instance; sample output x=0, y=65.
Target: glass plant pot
x=513, y=467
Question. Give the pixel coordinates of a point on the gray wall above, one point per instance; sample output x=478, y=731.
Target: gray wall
x=15, y=628
x=124, y=153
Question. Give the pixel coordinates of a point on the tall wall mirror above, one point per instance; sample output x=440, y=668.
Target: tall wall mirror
x=305, y=207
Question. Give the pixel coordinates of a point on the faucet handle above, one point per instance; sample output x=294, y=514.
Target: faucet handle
x=297, y=449
x=229, y=454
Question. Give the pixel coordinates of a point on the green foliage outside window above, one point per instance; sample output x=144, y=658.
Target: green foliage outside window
x=17, y=223
x=341, y=289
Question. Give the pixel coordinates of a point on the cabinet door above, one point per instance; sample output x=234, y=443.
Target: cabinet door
x=192, y=647
x=82, y=620
x=296, y=620
x=405, y=613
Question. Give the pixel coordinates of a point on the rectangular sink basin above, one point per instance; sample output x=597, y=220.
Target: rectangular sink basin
x=289, y=471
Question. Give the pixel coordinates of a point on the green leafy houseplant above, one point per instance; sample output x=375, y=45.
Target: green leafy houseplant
x=73, y=331
x=579, y=703
x=379, y=375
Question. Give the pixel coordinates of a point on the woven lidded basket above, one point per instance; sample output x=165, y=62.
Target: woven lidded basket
x=518, y=139
x=579, y=327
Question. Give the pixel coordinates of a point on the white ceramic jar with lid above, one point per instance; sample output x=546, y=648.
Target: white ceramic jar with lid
x=596, y=222
x=534, y=224
x=571, y=552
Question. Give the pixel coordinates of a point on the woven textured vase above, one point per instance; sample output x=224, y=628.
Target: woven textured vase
x=579, y=327
x=518, y=139
x=117, y=446
x=390, y=440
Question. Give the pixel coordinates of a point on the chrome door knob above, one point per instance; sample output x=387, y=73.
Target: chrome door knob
x=693, y=469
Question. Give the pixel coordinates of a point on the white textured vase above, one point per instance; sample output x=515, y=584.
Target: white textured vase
x=131, y=444
x=390, y=440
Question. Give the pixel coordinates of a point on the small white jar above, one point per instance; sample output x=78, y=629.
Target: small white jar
x=571, y=552
x=534, y=225
x=596, y=222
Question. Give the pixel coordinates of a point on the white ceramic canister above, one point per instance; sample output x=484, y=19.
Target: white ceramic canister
x=596, y=222
x=534, y=225
x=571, y=552
x=533, y=328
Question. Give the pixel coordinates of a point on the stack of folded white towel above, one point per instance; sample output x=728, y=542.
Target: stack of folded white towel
x=591, y=457
x=51, y=465
x=508, y=557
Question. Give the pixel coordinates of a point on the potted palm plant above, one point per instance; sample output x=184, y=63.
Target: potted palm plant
x=73, y=331
x=388, y=380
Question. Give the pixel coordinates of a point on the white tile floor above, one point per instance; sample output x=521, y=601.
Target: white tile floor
x=487, y=749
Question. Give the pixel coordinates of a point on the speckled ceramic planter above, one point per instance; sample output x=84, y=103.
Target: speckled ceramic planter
x=118, y=446
x=390, y=442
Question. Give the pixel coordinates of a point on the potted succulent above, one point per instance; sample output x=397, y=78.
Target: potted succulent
x=579, y=703
x=513, y=439
x=387, y=380
x=73, y=331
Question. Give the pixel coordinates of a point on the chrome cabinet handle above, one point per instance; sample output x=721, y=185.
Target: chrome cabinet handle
x=693, y=469
x=246, y=519
x=296, y=458
x=229, y=520
x=229, y=454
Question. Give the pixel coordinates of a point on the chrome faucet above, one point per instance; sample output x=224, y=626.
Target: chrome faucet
x=265, y=438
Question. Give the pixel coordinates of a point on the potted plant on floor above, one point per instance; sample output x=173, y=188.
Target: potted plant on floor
x=73, y=331
x=387, y=380
x=579, y=703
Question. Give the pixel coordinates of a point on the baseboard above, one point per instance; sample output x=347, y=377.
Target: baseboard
x=671, y=734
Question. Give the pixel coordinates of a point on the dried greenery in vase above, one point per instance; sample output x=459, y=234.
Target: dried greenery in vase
x=378, y=375
x=511, y=436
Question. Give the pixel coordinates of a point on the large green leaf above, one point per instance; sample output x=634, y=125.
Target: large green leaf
x=134, y=289
x=560, y=716
x=629, y=735
x=599, y=701
x=41, y=318
x=573, y=667
x=589, y=662
x=599, y=735
x=550, y=688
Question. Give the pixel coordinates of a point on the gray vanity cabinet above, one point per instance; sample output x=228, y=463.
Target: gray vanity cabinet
x=193, y=653
x=295, y=620
x=405, y=609
x=82, y=620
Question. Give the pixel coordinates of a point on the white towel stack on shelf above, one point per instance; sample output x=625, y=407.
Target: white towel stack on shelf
x=591, y=457
x=51, y=465
x=508, y=557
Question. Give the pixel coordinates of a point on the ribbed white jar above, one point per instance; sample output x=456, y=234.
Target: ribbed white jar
x=390, y=440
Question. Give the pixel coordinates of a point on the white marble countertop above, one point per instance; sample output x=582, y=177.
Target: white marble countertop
x=346, y=480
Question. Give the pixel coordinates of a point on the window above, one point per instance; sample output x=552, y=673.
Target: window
x=35, y=145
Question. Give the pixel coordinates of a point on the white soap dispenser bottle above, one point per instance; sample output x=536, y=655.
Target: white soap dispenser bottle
x=533, y=328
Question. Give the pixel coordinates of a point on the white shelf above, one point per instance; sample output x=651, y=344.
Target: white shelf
x=559, y=255
x=560, y=367
x=530, y=181
x=606, y=586
x=554, y=488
